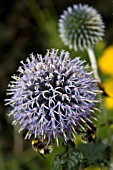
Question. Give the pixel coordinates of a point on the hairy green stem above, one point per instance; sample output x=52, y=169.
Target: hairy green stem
x=93, y=63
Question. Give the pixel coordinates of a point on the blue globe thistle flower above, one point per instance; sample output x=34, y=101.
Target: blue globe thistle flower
x=81, y=27
x=53, y=97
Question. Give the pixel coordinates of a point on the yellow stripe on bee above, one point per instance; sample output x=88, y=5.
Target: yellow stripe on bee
x=93, y=136
x=35, y=141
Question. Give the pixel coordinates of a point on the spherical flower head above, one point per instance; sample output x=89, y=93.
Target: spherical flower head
x=52, y=96
x=81, y=27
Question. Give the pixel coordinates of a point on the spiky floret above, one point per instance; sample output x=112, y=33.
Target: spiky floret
x=81, y=27
x=53, y=96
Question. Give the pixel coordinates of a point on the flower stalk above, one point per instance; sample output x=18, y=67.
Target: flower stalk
x=93, y=63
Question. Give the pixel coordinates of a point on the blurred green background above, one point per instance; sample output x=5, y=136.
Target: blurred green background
x=28, y=26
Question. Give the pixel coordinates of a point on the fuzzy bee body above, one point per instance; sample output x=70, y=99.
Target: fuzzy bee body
x=89, y=135
x=41, y=147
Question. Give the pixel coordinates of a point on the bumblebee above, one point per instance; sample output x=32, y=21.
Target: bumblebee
x=90, y=134
x=42, y=147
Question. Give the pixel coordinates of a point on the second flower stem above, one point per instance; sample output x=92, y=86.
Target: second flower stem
x=93, y=63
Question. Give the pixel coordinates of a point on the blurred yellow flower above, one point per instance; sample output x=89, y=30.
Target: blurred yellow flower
x=108, y=86
x=105, y=62
x=95, y=168
x=109, y=102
